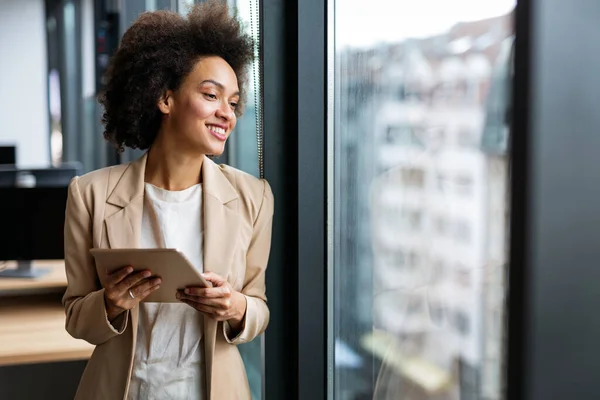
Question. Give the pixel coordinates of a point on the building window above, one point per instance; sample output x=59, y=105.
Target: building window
x=407, y=136
x=462, y=323
x=464, y=185
x=413, y=178
x=466, y=138
x=462, y=231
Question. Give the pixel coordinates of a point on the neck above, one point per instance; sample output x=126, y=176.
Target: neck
x=171, y=169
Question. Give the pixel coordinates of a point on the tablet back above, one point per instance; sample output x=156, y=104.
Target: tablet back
x=171, y=265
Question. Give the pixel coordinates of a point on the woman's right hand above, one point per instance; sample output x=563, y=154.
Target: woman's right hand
x=124, y=289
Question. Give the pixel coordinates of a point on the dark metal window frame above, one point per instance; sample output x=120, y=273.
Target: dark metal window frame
x=294, y=87
x=553, y=287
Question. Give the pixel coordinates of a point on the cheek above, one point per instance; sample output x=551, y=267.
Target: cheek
x=200, y=108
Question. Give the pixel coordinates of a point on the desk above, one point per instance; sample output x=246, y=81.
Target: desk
x=55, y=279
x=32, y=325
x=32, y=330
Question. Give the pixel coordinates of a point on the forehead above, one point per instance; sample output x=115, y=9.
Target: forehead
x=214, y=69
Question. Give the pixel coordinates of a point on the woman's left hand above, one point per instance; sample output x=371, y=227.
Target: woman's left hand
x=220, y=302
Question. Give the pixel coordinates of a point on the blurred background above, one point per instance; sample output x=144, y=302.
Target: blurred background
x=54, y=54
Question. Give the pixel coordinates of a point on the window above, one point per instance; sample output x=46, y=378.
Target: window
x=466, y=138
x=436, y=313
x=395, y=258
x=413, y=178
x=415, y=219
x=464, y=185
x=449, y=184
x=462, y=232
x=462, y=323
x=441, y=225
x=409, y=221
x=463, y=277
x=438, y=271
x=404, y=136
x=415, y=194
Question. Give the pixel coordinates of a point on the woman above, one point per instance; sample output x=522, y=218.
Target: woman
x=175, y=87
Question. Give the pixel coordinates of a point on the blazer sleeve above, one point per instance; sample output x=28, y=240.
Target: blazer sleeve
x=257, y=313
x=83, y=300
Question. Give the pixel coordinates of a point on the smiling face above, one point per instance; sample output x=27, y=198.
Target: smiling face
x=200, y=115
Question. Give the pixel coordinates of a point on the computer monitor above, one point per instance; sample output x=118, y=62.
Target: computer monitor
x=8, y=155
x=11, y=176
x=32, y=227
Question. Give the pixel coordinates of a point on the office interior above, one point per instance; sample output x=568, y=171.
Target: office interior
x=435, y=171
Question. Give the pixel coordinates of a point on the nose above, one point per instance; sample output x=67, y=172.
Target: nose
x=225, y=111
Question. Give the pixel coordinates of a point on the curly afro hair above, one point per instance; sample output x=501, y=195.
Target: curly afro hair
x=155, y=55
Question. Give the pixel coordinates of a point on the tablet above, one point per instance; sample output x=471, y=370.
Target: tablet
x=171, y=265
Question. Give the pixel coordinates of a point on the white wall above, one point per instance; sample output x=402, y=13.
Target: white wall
x=23, y=87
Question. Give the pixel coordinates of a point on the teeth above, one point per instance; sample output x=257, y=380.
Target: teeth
x=216, y=129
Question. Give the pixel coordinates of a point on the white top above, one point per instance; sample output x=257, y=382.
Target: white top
x=169, y=354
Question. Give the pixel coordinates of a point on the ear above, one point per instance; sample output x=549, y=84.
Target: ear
x=165, y=102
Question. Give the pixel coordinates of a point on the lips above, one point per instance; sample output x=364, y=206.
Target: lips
x=217, y=131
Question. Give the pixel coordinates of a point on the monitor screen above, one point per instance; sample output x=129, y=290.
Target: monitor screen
x=32, y=223
x=8, y=155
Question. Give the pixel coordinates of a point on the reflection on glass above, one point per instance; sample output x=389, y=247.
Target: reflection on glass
x=242, y=151
x=420, y=205
x=242, y=146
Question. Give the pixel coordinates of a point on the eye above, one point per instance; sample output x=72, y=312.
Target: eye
x=233, y=105
x=211, y=96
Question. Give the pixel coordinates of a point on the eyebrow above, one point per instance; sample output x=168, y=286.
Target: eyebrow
x=218, y=84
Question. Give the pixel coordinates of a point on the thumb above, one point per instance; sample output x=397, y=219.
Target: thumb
x=216, y=280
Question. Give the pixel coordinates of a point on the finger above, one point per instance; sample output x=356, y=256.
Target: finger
x=144, y=286
x=194, y=291
x=219, y=304
x=193, y=304
x=132, y=280
x=207, y=310
x=117, y=276
x=180, y=295
x=148, y=290
x=215, y=279
x=215, y=292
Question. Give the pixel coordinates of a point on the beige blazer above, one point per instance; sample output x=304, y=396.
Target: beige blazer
x=104, y=210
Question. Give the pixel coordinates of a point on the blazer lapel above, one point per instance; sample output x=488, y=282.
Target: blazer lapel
x=123, y=227
x=221, y=226
x=221, y=219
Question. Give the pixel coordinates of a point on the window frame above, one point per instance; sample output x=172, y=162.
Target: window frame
x=554, y=256
x=295, y=143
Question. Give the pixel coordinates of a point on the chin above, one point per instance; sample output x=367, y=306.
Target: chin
x=209, y=149
x=216, y=151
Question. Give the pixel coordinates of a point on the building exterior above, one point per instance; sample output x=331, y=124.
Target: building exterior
x=426, y=220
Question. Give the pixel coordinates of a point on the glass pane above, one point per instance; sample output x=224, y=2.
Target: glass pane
x=420, y=206
x=242, y=153
x=242, y=149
